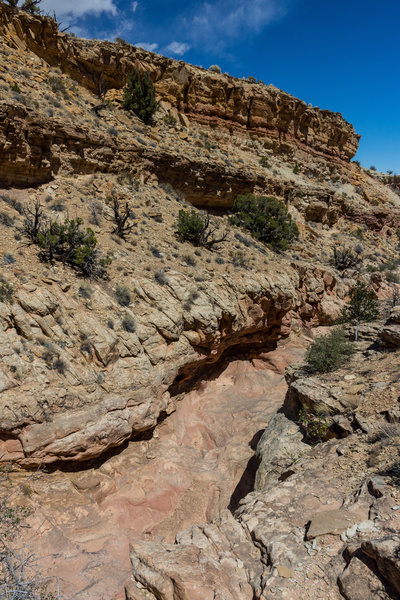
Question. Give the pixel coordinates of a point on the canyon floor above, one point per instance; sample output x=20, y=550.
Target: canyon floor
x=198, y=463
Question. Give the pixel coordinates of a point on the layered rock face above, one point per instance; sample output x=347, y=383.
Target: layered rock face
x=211, y=98
x=70, y=417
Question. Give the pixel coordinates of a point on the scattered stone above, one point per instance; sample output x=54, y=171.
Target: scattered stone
x=330, y=521
x=376, y=486
x=284, y=571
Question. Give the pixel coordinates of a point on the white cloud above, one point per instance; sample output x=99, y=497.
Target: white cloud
x=78, y=8
x=147, y=46
x=178, y=48
x=134, y=6
x=220, y=21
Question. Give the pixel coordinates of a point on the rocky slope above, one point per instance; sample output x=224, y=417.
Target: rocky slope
x=167, y=476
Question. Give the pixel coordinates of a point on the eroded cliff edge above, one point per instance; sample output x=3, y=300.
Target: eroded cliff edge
x=215, y=100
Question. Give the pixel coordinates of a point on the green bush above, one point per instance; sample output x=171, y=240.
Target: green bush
x=328, y=352
x=314, y=425
x=15, y=88
x=139, y=96
x=362, y=308
x=194, y=227
x=266, y=218
x=72, y=245
x=191, y=225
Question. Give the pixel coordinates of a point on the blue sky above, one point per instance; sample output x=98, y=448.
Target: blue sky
x=335, y=54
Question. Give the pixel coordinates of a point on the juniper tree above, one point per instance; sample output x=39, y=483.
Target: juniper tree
x=363, y=307
x=139, y=95
x=266, y=218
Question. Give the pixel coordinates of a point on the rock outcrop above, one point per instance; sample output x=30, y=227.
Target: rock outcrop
x=170, y=347
x=207, y=97
x=391, y=331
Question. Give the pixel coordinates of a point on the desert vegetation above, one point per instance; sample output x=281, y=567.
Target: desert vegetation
x=68, y=242
x=195, y=227
x=330, y=351
x=267, y=219
x=361, y=308
x=139, y=96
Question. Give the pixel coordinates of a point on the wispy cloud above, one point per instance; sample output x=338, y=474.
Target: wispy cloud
x=178, y=48
x=217, y=23
x=79, y=8
x=213, y=27
x=151, y=47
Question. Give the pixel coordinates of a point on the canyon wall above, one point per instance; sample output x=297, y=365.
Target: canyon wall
x=207, y=97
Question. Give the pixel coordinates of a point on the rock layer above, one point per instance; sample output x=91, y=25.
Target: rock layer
x=205, y=96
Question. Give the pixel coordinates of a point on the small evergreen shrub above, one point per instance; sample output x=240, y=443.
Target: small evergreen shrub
x=266, y=218
x=139, y=96
x=69, y=243
x=190, y=225
x=215, y=69
x=362, y=308
x=15, y=88
x=194, y=227
x=328, y=352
